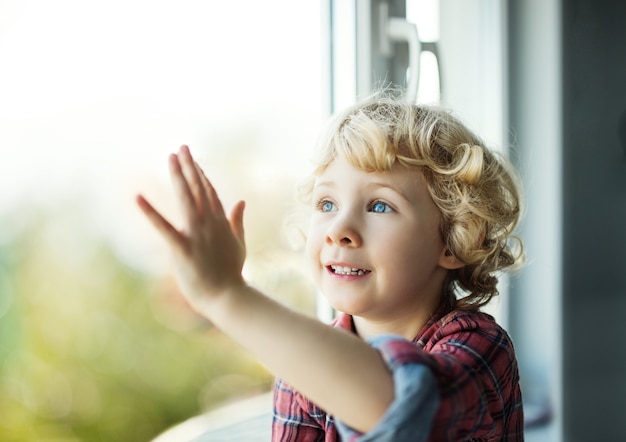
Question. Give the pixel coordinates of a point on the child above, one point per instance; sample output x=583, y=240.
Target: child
x=412, y=218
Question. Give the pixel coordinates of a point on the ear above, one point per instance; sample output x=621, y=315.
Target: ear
x=448, y=261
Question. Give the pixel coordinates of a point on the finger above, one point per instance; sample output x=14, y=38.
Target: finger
x=185, y=197
x=169, y=232
x=192, y=173
x=236, y=220
x=213, y=199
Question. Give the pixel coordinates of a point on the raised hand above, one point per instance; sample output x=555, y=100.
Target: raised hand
x=209, y=249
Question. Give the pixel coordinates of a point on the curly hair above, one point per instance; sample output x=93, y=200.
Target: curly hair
x=477, y=190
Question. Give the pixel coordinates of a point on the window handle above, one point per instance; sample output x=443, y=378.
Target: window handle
x=401, y=30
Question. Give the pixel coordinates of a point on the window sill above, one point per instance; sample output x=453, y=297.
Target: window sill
x=247, y=420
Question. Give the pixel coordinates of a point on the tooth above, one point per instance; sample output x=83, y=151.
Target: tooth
x=341, y=270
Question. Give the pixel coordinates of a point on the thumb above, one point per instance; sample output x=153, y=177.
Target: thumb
x=236, y=220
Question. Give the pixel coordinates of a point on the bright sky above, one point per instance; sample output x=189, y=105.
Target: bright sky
x=94, y=95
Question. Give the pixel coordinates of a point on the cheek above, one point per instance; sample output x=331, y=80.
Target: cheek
x=416, y=247
x=313, y=245
x=313, y=259
x=309, y=250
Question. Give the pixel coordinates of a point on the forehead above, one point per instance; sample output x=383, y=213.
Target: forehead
x=340, y=165
x=409, y=181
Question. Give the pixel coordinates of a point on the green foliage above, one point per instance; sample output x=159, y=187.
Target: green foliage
x=92, y=350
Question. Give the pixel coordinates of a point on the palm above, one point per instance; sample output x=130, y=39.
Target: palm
x=209, y=251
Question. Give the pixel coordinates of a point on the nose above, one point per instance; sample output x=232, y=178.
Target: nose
x=344, y=231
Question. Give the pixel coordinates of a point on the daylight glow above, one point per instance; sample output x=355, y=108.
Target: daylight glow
x=94, y=95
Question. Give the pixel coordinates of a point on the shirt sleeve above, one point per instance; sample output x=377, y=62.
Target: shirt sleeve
x=411, y=414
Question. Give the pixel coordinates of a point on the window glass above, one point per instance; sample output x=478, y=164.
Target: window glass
x=96, y=343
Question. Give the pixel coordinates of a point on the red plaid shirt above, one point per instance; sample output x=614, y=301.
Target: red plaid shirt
x=474, y=363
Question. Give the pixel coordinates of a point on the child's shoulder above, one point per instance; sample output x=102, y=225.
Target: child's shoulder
x=467, y=320
x=466, y=325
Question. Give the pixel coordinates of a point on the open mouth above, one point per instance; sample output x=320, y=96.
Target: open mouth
x=340, y=270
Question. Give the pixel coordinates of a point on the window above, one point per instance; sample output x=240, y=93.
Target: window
x=96, y=343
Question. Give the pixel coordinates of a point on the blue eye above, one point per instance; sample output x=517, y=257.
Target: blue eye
x=380, y=207
x=326, y=206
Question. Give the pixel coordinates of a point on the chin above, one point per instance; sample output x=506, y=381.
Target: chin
x=350, y=308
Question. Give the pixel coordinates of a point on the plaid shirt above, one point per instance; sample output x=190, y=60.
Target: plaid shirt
x=473, y=362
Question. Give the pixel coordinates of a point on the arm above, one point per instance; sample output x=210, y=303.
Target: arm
x=336, y=370
x=411, y=415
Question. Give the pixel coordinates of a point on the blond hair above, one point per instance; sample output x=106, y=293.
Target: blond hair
x=476, y=190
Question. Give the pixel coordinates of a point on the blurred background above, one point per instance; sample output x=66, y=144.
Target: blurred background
x=96, y=343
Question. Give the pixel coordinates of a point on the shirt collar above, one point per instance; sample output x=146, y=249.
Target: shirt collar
x=345, y=321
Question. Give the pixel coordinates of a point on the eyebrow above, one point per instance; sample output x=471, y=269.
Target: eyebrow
x=374, y=185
